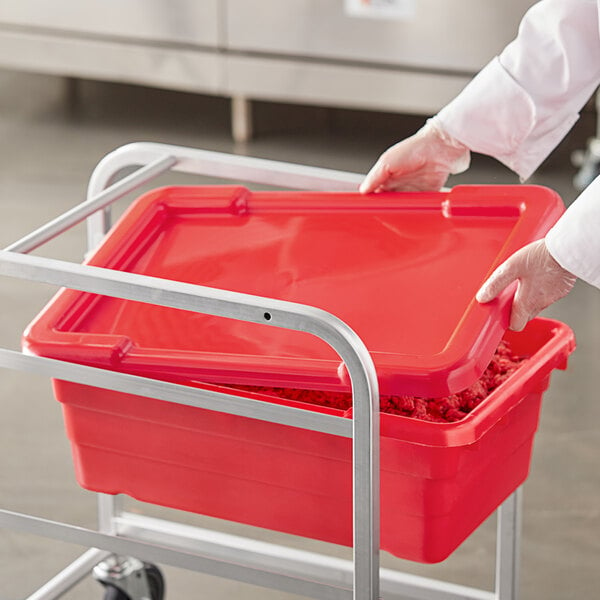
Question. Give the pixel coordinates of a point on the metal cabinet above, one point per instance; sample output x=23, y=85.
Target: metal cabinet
x=167, y=44
x=175, y=21
x=312, y=51
x=447, y=35
x=300, y=51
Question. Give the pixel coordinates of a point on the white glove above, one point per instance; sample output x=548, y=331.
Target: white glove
x=422, y=162
x=542, y=281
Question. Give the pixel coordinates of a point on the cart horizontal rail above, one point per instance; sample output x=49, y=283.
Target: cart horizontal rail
x=239, y=558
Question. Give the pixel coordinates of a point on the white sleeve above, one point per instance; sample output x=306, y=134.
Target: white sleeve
x=521, y=105
x=574, y=241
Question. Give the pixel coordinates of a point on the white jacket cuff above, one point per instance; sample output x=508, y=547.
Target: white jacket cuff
x=494, y=115
x=574, y=241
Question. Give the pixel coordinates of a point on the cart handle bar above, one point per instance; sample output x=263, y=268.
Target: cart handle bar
x=276, y=313
x=213, y=164
x=155, y=159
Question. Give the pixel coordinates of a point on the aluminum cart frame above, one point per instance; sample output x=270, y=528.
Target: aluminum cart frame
x=160, y=541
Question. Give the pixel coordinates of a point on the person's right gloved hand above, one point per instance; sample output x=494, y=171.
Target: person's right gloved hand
x=422, y=162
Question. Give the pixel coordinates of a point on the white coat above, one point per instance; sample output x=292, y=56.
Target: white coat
x=522, y=104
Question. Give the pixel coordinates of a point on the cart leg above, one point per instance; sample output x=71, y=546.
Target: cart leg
x=70, y=576
x=508, y=547
x=124, y=577
x=109, y=508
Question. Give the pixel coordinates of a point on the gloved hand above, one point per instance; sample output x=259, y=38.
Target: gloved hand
x=542, y=281
x=422, y=162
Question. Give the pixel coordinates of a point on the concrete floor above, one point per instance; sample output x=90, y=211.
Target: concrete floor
x=51, y=144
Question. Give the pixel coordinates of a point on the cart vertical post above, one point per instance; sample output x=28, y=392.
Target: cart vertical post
x=508, y=545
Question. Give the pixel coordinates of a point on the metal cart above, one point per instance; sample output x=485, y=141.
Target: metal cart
x=121, y=535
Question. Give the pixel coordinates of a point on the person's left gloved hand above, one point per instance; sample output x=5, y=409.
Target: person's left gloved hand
x=542, y=281
x=421, y=162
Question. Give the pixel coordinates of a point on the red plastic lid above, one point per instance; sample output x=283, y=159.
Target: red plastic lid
x=401, y=269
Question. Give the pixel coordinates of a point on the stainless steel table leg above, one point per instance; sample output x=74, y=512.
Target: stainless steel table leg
x=241, y=119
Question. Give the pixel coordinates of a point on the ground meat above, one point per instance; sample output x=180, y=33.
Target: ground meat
x=440, y=410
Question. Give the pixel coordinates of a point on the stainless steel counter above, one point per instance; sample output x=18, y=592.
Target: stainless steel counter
x=301, y=51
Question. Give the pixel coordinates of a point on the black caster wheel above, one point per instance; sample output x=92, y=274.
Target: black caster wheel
x=113, y=593
x=126, y=578
x=156, y=581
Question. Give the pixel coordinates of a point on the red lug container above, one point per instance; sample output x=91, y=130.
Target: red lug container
x=400, y=269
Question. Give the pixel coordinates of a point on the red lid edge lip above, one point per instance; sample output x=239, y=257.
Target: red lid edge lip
x=326, y=372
